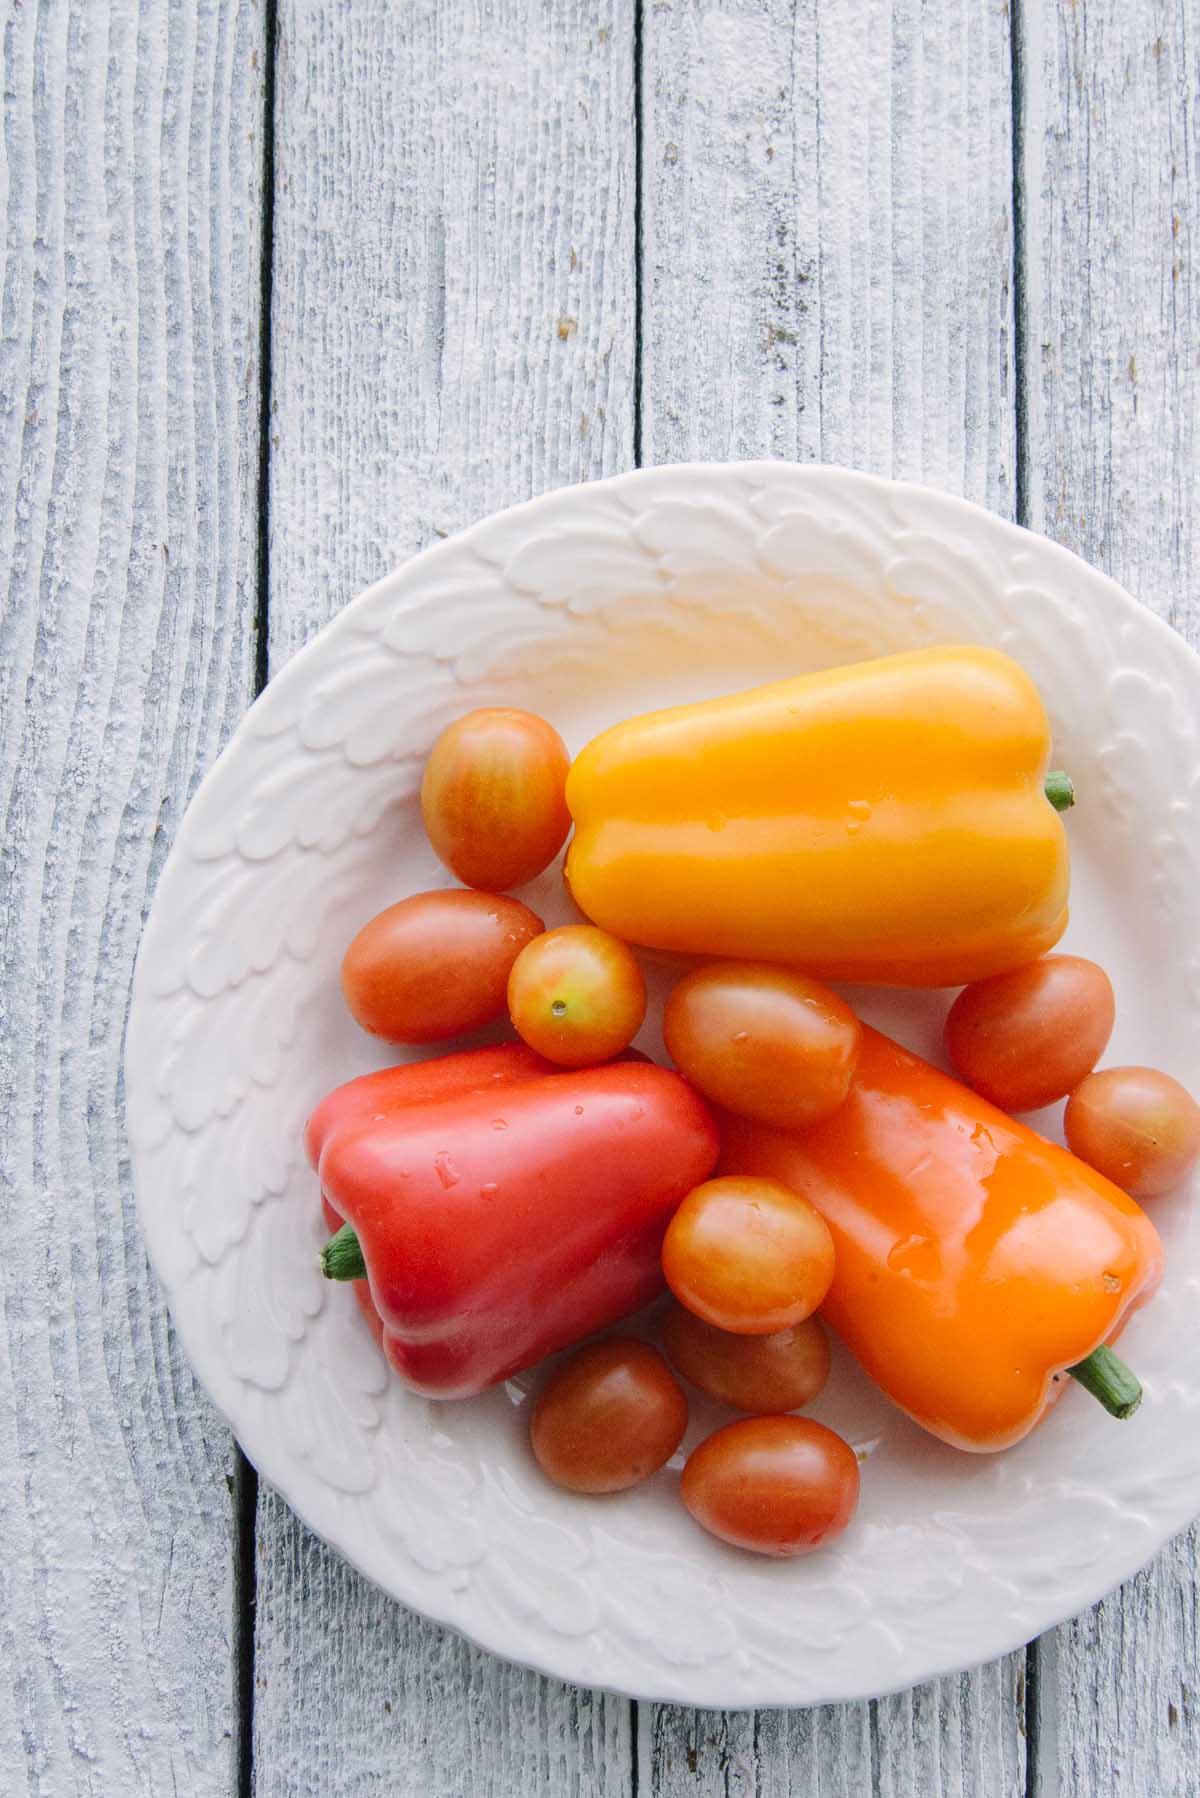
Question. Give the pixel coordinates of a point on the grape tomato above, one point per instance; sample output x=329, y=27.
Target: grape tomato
x=1027, y=1038
x=608, y=1418
x=435, y=965
x=493, y=797
x=580, y=998
x=748, y=1255
x=762, y=1374
x=1138, y=1127
x=781, y=1486
x=764, y=1042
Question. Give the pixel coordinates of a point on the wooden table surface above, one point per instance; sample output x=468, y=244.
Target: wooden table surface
x=289, y=290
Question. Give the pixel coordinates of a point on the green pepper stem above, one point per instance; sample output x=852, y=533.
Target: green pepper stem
x=342, y=1256
x=1060, y=790
x=1108, y=1379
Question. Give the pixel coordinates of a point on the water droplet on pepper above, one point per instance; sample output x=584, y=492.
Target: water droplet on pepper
x=445, y=1169
x=916, y=1257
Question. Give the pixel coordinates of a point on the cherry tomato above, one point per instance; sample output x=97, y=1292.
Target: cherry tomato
x=608, y=1418
x=750, y=1373
x=1138, y=1127
x=435, y=965
x=1026, y=1038
x=577, y=995
x=762, y=1041
x=779, y=1485
x=748, y=1255
x=492, y=797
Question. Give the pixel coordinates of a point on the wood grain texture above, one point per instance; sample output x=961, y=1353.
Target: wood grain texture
x=129, y=191
x=1111, y=335
x=827, y=248
x=828, y=276
x=453, y=302
x=453, y=330
x=828, y=236
x=354, y=1694
x=954, y=1735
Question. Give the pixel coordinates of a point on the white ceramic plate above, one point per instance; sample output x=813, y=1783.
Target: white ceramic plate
x=588, y=605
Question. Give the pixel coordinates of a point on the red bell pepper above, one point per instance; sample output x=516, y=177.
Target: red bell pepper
x=499, y=1210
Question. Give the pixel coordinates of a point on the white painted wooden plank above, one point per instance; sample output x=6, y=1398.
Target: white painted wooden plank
x=754, y=1754
x=828, y=256
x=952, y=1736
x=1111, y=204
x=355, y=1694
x=453, y=330
x=828, y=236
x=130, y=195
x=454, y=276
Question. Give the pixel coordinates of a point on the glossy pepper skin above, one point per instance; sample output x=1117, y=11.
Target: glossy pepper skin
x=974, y=1259
x=884, y=822
x=504, y=1211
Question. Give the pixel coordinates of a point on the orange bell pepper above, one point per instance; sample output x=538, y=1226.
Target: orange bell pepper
x=886, y=822
x=976, y=1263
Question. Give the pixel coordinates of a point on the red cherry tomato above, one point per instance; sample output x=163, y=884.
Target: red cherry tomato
x=493, y=797
x=748, y=1255
x=779, y=1485
x=435, y=965
x=577, y=995
x=1027, y=1038
x=762, y=1041
x=610, y=1417
x=765, y=1374
x=1138, y=1127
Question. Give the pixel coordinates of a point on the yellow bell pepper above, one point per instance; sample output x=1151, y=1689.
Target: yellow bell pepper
x=890, y=822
